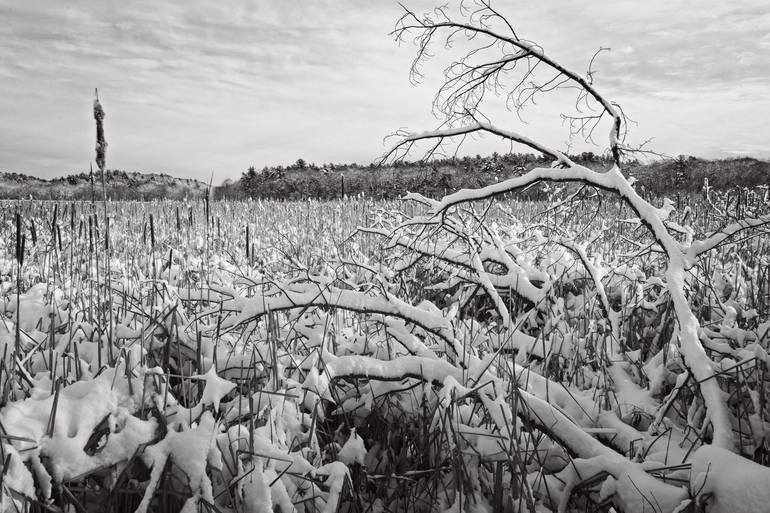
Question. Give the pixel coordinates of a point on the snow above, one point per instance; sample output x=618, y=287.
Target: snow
x=257, y=497
x=81, y=407
x=216, y=388
x=190, y=450
x=727, y=483
x=354, y=450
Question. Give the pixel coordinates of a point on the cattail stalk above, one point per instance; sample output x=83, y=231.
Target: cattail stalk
x=101, y=161
x=20, y=240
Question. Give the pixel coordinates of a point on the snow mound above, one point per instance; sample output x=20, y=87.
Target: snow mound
x=727, y=483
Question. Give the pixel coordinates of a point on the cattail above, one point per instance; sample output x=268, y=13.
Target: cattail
x=152, y=232
x=19, y=240
x=101, y=144
x=206, y=207
x=33, y=231
x=55, y=218
x=247, y=243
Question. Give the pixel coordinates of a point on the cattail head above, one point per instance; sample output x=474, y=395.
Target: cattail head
x=20, y=239
x=101, y=144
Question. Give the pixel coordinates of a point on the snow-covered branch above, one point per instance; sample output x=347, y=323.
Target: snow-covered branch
x=705, y=245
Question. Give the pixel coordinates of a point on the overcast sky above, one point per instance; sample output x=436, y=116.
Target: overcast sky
x=194, y=86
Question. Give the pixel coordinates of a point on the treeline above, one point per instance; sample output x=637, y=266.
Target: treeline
x=687, y=174
x=434, y=178
x=443, y=176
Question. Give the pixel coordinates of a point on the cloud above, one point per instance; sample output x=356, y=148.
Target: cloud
x=191, y=87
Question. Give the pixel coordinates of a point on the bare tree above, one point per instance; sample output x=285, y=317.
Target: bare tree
x=501, y=62
x=609, y=429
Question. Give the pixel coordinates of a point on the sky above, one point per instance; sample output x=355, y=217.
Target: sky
x=200, y=88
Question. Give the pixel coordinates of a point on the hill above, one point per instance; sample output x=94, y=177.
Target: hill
x=120, y=185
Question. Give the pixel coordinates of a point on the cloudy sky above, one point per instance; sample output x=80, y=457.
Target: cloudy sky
x=194, y=87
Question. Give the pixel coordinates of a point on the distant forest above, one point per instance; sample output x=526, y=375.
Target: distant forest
x=434, y=178
x=439, y=177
